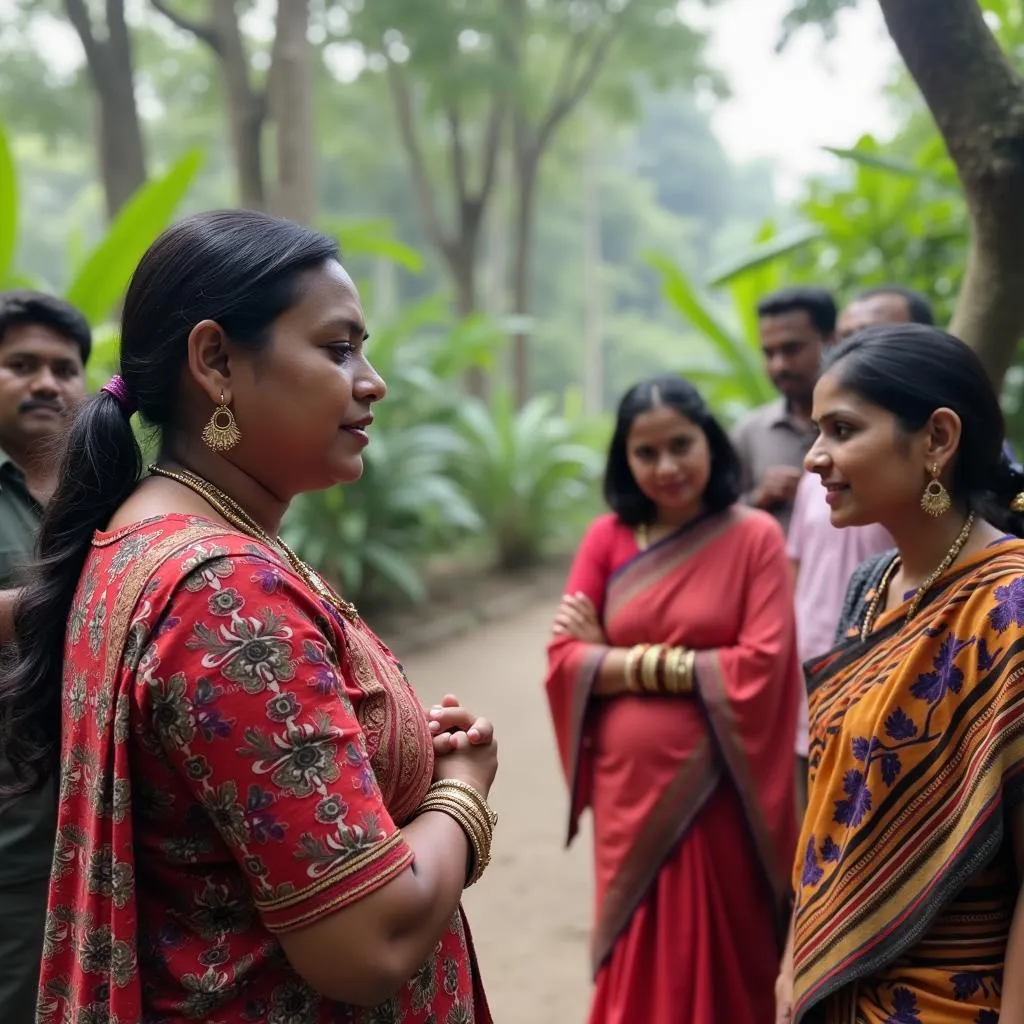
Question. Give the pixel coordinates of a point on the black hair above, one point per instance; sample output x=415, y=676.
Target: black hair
x=621, y=492
x=817, y=303
x=242, y=269
x=918, y=306
x=913, y=369
x=37, y=308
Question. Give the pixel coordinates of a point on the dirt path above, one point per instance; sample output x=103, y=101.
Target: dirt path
x=530, y=913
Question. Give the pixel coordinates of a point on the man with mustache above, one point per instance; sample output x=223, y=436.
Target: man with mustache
x=795, y=325
x=44, y=345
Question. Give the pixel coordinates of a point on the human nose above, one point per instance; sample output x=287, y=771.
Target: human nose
x=369, y=385
x=44, y=382
x=817, y=460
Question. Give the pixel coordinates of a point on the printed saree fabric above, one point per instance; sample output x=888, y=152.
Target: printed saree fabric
x=237, y=760
x=904, y=878
x=692, y=797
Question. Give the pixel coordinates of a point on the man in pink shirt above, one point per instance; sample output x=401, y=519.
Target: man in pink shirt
x=824, y=557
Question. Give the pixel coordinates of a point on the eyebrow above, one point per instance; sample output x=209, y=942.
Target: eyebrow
x=345, y=323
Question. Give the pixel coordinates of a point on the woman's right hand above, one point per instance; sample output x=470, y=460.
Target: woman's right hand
x=784, y=995
x=469, y=763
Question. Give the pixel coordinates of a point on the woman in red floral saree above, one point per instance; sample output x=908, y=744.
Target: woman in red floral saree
x=258, y=821
x=691, y=787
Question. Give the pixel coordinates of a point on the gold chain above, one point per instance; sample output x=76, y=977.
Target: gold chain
x=229, y=509
x=643, y=537
x=915, y=602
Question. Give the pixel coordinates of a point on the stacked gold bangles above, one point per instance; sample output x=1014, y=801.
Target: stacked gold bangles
x=465, y=805
x=659, y=668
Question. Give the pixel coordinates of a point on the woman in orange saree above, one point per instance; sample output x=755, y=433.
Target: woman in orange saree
x=690, y=783
x=910, y=858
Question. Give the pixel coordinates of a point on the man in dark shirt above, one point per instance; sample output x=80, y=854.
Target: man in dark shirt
x=44, y=344
x=796, y=325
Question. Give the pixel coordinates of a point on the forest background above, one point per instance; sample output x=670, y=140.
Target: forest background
x=531, y=194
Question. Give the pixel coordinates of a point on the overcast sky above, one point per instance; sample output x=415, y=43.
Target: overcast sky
x=788, y=107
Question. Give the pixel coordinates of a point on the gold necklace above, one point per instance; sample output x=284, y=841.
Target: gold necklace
x=643, y=538
x=229, y=509
x=915, y=601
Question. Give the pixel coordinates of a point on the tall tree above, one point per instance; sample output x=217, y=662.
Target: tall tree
x=284, y=100
x=290, y=91
x=979, y=111
x=108, y=53
x=246, y=101
x=459, y=71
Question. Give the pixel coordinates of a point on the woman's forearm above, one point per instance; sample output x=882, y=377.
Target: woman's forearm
x=611, y=678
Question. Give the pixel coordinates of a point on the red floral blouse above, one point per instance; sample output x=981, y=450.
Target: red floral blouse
x=236, y=762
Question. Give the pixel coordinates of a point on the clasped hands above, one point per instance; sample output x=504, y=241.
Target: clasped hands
x=454, y=728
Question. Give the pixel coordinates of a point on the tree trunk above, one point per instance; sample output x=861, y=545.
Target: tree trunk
x=291, y=103
x=977, y=101
x=461, y=260
x=593, y=321
x=246, y=107
x=527, y=167
x=109, y=60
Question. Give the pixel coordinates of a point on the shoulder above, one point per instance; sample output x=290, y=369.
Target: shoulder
x=755, y=527
x=604, y=530
x=757, y=418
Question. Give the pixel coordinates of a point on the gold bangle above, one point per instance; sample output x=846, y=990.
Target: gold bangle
x=466, y=806
x=471, y=791
x=636, y=652
x=476, y=832
x=649, y=668
x=687, y=664
x=679, y=670
x=672, y=671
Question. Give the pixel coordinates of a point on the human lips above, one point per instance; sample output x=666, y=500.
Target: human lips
x=358, y=429
x=834, y=491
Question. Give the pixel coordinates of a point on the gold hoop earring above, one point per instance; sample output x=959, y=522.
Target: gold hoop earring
x=221, y=432
x=935, y=500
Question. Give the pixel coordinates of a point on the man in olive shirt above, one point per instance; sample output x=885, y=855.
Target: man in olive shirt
x=796, y=326
x=44, y=344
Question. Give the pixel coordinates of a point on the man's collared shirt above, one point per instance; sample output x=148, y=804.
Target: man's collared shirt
x=771, y=436
x=20, y=515
x=27, y=827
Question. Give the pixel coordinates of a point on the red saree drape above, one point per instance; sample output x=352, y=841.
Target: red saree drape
x=692, y=798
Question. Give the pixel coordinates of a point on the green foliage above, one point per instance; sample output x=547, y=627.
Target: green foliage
x=728, y=366
x=101, y=280
x=8, y=208
x=527, y=474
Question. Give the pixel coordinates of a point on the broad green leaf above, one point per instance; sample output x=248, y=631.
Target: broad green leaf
x=101, y=282
x=765, y=252
x=893, y=165
x=8, y=207
x=375, y=238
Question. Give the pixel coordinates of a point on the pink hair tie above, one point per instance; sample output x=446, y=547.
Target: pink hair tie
x=117, y=387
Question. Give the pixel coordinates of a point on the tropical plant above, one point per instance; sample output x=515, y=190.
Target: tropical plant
x=373, y=537
x=727, y=367
x=98, y=280
x=526, y=473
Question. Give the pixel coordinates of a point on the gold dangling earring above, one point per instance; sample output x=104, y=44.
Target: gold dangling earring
x=221, y=433
x=935, y=500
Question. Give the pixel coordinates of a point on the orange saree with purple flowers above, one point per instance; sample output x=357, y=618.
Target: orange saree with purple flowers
x=692, y=797
x=905, y=877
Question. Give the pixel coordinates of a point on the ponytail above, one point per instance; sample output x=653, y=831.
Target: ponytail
x=99, y=469
x=240, y=268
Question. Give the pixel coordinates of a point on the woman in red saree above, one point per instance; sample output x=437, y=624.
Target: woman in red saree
x=689, y=776
x=258, y=821
x=908, y=873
